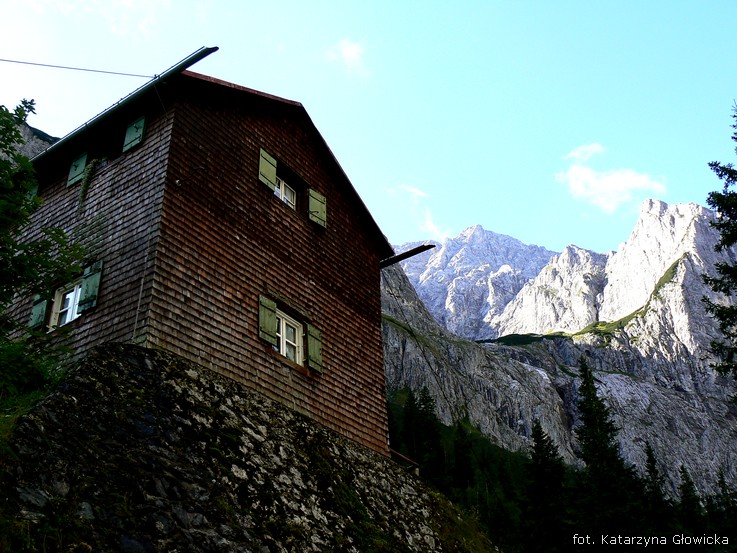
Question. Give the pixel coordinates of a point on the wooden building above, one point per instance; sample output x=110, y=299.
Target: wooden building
x=219, y=226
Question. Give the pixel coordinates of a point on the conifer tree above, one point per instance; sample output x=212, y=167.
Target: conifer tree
x=725, y=281
x=690, y=510
x=545, y=512
x=609, y=498
x=722, y=507
x=656, y=506
x=430, y=452
x=463, y=472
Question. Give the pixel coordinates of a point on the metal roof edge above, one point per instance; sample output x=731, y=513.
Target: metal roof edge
x=190, y=60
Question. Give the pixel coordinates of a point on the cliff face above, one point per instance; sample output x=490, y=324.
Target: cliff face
x=645, y=333
x=139, y=451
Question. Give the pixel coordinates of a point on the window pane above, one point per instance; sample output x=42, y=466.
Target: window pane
x=290, y=196
x=291, y=333
x=290, y=352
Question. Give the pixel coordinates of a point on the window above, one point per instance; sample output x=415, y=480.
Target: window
x=134, y=133
x=316, y=203
x=285, y=193
x=300, y=342
x=69, y=301
x=66, y=304
x=76, y=171
x=289, y=336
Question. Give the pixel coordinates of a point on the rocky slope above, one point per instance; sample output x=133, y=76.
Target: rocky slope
x=677, y=405
x=636, y=314
x=139, y=451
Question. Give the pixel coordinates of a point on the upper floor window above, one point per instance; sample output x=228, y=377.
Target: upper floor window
x=285, y=193
x=316, y=204
x=134, y=133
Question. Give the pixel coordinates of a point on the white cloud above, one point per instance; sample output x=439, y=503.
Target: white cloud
x=412, y=202
x=584, y=153
x=350, y=54
x=607, y=190
x=415, y=193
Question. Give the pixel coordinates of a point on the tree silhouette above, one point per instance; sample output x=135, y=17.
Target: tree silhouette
x=725, y=282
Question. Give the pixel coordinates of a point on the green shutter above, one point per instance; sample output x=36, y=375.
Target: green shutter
x=267, y=319
x=76, y=171
x=314, y=348
x=90, y=287
x=318, y=208
x=134, y=133
x=38, y=313
x=267, y=170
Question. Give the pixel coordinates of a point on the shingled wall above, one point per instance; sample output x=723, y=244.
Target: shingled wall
x=226, y=240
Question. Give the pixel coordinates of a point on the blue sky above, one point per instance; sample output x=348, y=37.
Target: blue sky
x=546, y=121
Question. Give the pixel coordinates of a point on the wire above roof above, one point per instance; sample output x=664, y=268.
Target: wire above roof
x=173, y=70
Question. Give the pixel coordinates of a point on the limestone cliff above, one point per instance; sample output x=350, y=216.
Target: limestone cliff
x=658, y=390
x=139, y=451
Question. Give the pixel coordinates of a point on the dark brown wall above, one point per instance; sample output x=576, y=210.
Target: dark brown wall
x=116, y=220
x=226, y=239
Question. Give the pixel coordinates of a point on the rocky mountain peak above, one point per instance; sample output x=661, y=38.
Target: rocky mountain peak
x=468, y=279
x=482, y=285
x=635, y=313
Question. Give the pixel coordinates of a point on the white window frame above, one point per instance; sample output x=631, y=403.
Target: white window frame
x=291, y=347
x=68, y=312
x=285, y=193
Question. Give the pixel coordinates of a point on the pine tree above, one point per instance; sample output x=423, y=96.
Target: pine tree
x=430, y=453
x=656, y=505
x=463, y=472
x=722, y=508
x=545, y=508
x=609, y=490
x=691, y=515
x=725, y=282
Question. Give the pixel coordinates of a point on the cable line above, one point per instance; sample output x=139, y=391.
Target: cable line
x=80, y=69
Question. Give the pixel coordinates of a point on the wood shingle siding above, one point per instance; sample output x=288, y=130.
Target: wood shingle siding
x=191, y=237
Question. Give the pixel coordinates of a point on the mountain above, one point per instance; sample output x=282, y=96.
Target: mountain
x=636, y=314
x=468, y=280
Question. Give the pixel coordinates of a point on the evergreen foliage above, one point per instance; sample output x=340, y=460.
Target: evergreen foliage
x=608, y=488
x=537, y=502
x=725, y=281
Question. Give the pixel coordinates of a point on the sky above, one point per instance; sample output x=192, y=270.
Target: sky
x=547, y=121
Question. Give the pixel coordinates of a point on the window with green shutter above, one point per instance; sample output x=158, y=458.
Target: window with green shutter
x=134, y=133
x=317, y=208
x=89, y=287
x=76, y=171
x=314, y=348
x=38, y=313
x=267, y=319
x=71, y=300
x=295, y=339
x=267, y=169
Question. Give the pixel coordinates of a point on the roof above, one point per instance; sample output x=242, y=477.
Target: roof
x=180, y=71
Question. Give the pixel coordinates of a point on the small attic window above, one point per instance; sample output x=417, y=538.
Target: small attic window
x=134, y=133
x=277, y=177
x=285, y=193
x=76, y=171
